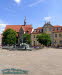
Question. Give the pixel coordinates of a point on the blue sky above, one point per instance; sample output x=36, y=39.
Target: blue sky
x=36, y=11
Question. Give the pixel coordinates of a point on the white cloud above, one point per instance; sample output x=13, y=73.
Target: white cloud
x=48, y=18
x=35, y=3
x=1, y=30
x=17, y=1
x=2, y=25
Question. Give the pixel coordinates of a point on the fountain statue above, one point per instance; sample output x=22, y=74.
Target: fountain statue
x=25, y=46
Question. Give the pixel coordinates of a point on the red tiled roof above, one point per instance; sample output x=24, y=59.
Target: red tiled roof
x=57, y=30
x=57, y=26
x=27, y=29
x=53, y=30
x=39, y=28
x=17, y=27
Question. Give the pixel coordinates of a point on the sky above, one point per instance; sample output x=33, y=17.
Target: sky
x=37, y=12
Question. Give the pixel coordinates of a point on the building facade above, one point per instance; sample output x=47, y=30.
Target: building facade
x=20, y=29
x=34, y=34
x=55, y=33
x=57, y=38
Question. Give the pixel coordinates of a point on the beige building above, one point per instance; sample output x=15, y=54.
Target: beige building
x=34, y=41
x=34, y=34
x=57, y=38
x=55, y=33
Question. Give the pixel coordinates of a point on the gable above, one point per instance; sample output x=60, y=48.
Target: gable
x=21, y=32
x=47, y=25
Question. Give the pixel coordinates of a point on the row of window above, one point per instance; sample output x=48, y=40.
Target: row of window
x=57, y=28
x=46, y=29
x=50, y=29
x=59, y=42
x=56, y=35
x=38, y=30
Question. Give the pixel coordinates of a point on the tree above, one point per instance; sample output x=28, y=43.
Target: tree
x=44, y=39
x=9, y=37
x=26, y=38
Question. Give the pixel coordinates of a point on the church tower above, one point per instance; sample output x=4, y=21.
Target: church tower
x=25, y=20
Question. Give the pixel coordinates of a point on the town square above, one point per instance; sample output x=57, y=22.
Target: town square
x=47, y=61
x=30, y=37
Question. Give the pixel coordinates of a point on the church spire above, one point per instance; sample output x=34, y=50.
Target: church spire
x=25, y=20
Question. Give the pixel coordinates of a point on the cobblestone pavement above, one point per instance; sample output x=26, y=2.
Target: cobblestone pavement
x=47, y=61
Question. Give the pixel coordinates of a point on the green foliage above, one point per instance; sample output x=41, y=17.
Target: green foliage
x=44, y=39
x=27, y=38
x=9, y=37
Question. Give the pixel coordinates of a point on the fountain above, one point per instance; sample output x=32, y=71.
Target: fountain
x=25, y=46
